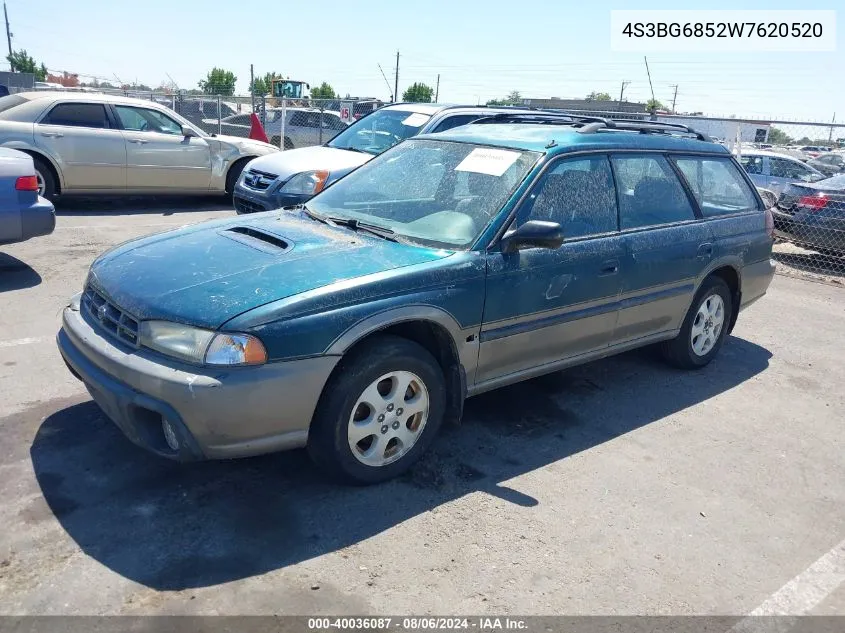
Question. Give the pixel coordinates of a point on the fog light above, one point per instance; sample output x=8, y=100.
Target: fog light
x=169, y=435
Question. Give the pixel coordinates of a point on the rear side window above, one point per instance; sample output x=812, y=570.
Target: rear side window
x=579, y=195
x=455, y=121
x=78, y=115
x=717, y=185
x=649, y=192
x=782, y=168
x=9, y=102
x=752, y=164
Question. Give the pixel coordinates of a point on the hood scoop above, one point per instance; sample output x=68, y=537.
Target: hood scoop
x=259, y=239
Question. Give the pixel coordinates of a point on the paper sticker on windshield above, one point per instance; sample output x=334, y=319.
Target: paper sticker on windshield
x=493, y=162
x=416, y=120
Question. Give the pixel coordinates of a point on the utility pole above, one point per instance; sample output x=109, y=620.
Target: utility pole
x=651, y=87
x=830, y=136
x=674, y=97
x=252, y=87
x=437, y=90
x=8, y=38
x=621, y=92
x=396, y=80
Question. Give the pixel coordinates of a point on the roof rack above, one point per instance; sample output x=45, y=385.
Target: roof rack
x=591, y=124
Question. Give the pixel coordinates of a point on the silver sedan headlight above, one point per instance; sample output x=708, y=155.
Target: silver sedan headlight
x=307, y=183
x=197, y=345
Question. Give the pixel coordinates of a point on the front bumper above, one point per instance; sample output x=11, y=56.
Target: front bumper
x=248, y=200
x=215, y=412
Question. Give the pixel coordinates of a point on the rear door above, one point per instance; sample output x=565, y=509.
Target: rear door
x=785, y=171
x=158, y=156
x=83, y=140
x=667, y=246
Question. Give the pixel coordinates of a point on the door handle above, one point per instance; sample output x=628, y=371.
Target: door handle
x=705, y=251
x=610, y=267
x=52, y=134
x=138, y=141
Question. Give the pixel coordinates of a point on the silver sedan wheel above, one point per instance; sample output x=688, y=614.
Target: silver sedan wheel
x=40, y=180
x=388, y=418
x=708, y=324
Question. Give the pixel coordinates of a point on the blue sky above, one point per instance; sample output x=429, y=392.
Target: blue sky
x=481, y=50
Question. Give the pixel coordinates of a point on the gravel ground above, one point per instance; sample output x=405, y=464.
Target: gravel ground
x=618, y=487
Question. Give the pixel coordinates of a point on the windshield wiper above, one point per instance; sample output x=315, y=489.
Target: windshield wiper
x=352, y=223
x=357, y=225
x=353, y=149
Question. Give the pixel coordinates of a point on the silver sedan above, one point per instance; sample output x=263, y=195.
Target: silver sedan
x=104, y=144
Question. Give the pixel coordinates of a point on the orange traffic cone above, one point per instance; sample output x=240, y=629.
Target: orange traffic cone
x=256, y=132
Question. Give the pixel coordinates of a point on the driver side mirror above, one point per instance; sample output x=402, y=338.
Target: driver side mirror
x=188, y=132
x=533, y=234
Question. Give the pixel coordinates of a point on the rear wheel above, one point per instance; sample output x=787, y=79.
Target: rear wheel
x=46, y=180
x=705, y=327
x=380, y=411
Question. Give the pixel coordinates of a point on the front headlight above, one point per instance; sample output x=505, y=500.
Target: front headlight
x=197, y=345
x=307, y=183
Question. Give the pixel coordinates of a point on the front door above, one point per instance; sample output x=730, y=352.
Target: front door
x=158, y=156
x=668, y=246
x=544, y=305
x=82, y=140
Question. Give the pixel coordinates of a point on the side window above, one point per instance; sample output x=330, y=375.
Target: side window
x=577, y=193
x=298, y=119
x=455, y=121
x=717, y=185
x=787, y=169
x=332, y=122
x=145, y=120
x=312, y=119
x=78, y=115
x=752, y=164
x=649, y=192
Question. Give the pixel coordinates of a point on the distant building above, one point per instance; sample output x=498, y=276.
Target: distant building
x=750, y=131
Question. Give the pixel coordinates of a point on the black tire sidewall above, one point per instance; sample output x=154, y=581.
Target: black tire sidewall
x=709, y=287
x=328, y=440
x=233, y=174
x=49, y=179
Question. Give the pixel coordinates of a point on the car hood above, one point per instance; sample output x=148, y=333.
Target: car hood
x=210, y=272
x=293, y=161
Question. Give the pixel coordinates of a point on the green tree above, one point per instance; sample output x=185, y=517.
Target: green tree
x=218, y=82
x=779, y=137
x=323, y=91
x=598, y=96
x=22, y=62
x=513, y=98
x=653, y=104
x=418, y=93
x=264, y=85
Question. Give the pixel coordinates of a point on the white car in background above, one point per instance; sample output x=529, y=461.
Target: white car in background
x=773, y=171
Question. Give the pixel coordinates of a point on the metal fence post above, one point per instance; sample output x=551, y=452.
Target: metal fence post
x=322, y=106
x=284, y=122
x=219, y=117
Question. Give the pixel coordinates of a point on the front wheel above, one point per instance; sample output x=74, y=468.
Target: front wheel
x=705, y=327
x=379, y=412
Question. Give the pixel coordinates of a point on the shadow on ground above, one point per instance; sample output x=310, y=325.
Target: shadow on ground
x=812, y=262
x=172, y=526
x=15, y=274
x=140, y=205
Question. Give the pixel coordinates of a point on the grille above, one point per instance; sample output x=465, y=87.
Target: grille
x=247, y=206
x=259, y=180
x=109, y=317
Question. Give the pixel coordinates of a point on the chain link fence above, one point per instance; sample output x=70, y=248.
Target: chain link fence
x=797, y=166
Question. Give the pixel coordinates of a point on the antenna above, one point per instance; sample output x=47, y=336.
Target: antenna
x=387, y=83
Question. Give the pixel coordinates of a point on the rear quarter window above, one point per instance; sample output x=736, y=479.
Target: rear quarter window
x=12, y=101
x=717, y=185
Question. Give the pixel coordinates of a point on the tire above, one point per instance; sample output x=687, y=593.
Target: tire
x=371, y=373
x=45, y=175
x=288, y=143
x=693, y=352
x=233, y=175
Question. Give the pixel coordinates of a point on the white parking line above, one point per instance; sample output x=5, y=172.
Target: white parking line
x=25, y=341
x=803, y=593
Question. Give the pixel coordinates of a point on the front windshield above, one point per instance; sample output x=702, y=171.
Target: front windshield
x=380, y=130
x=437, y=193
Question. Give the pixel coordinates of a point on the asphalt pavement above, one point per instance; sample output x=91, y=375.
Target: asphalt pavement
x=619, y=487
